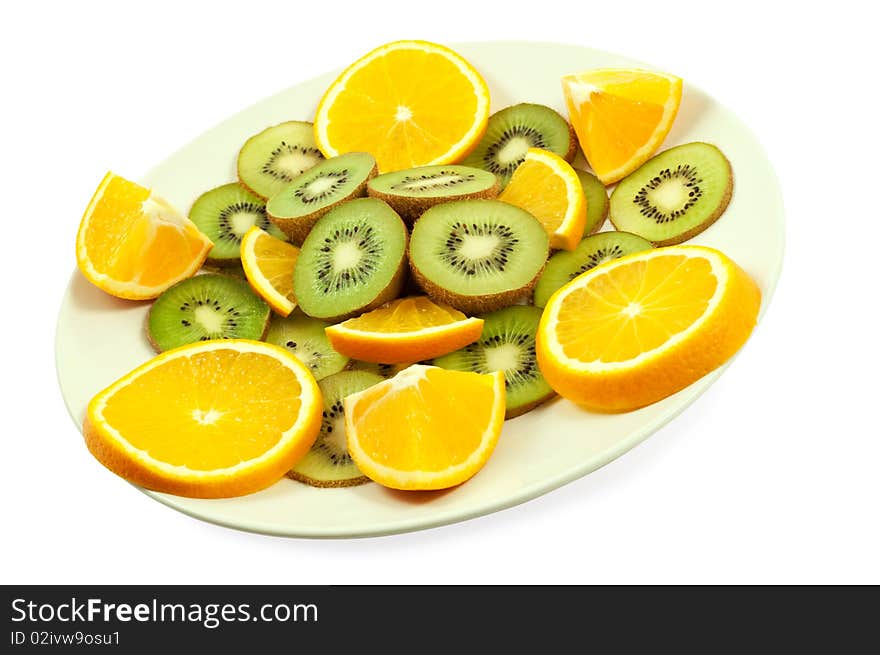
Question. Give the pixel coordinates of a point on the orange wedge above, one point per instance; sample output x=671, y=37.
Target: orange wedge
x=621, y=116
x=404, y=330
x=408, y=103
x=425, y=428
x=638, y=329
x=268, y=264
x=546, y=186
x=208, y=420
x=132, y=244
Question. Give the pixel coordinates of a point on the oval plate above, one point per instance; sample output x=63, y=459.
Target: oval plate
x=100, y=338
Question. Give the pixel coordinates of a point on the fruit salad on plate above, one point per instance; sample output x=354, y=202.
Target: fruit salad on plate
x=383, y=287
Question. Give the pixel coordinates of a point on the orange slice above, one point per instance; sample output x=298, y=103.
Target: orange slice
x=638, y=329
x=425, y=428
x=404, y=330
x=133, y=244
x=208, y=420
x=268, y=265
x=546, y=186
x=408, y=103
x=621, y=116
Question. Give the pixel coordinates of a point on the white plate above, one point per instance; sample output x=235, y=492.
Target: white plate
x=99, y=338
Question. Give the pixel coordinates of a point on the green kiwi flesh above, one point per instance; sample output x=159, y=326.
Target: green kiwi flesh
x=270, y=160
x=675, y=195
x=477, y=255
x=352, y=261
x=513, y=130
x=206, y=307
x=224, y=215
x=597, y=201
x=297, y=207
x=507, y=344
x=597, y=249
x=328, y=462
x=304, y=337
x=412, y=191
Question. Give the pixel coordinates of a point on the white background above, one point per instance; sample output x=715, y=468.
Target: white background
x=772, y=476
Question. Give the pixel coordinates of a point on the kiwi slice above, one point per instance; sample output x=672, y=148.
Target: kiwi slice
x=304, y=337
x=513, y=130
x=224, y=215
x=477, y=255
x=597, y=201
x=507, y=344
x=410, y=192
x=597, y=249
x=270, y=160
x=328, y=463
x=205, y=307
x=675, y=195
x=352, y=261
x=298, y=206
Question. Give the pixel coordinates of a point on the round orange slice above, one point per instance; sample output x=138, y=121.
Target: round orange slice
x=546, y=186
x=404, y=330
x=133, y=244
x=408, y=103
x=208, y=420
x=620, y=116
x=425, y=428
x=638, y=329
x=268, y=264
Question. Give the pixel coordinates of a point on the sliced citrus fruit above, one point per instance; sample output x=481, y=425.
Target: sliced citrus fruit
x=133, y=244
x=635, y=330
x=409, y=103
x=268, y=264
x=546, y=186
x=620, y=116
x=404, y=330
x=425, y=428
x=207, y=420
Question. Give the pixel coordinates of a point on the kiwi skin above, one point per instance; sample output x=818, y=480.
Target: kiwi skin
x=297, y=229
x=472, y=305
x=714, y=216
x=411, y=208
x=572, y=144
x=328, y=484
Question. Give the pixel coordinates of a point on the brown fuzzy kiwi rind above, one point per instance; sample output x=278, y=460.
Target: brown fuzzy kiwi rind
x=328, y=484
x=572, y=144
x=411, y=208
x=297, y=229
